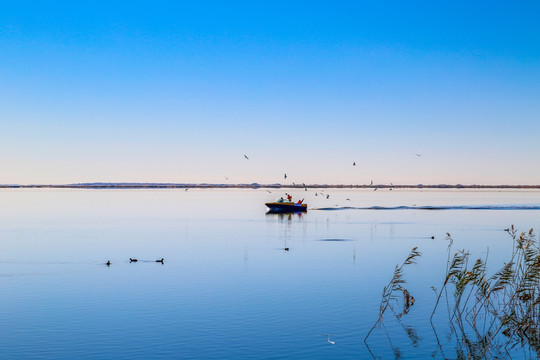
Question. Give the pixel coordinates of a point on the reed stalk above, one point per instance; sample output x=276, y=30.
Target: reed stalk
x=488, y=314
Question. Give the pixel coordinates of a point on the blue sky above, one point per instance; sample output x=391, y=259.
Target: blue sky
x=179, y=91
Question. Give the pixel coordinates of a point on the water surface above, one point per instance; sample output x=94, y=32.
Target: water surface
x=228, y=288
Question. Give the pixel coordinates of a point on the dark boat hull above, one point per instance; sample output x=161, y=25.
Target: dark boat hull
x=286, y=207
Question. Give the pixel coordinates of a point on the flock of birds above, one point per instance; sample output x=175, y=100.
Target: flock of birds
x=327, y=196
x=162, y=261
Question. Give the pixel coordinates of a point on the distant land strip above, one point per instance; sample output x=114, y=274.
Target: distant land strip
x=100, y=185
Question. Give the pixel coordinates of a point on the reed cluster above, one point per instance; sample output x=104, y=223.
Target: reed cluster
x=488, y=315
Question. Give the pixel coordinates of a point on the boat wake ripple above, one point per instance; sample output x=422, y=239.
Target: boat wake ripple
x=443, y=207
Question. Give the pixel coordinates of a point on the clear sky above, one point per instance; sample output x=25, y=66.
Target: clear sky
x=155, y=91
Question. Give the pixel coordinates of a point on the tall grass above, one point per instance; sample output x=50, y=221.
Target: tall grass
x=488, y=314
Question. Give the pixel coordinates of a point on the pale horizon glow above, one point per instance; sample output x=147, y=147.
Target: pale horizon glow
x=178, y=93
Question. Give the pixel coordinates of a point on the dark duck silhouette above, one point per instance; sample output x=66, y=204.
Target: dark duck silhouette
x=133, y=260
x=160, y=261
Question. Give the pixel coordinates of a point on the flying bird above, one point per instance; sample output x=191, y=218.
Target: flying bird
x=160, y=261
x=418, y=154
x=226, y=178
x=327, y=196
x=108, y=263
x=132, y=260
x=284, y=176
x=246, y=156
x=354, y=163
x=268, y=191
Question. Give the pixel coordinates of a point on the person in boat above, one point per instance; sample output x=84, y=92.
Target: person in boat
x=280, y=200
x=289, y=197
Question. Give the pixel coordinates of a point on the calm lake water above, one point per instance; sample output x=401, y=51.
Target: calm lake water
x=227, y=288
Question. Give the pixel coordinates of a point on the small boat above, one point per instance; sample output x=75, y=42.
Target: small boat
x=286, y=206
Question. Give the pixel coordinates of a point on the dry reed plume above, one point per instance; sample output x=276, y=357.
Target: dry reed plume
x=488, y=315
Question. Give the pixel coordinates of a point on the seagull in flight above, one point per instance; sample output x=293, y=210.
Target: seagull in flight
x=418, y=155
x=246, y=156
x=354, y=163
x=284, y=176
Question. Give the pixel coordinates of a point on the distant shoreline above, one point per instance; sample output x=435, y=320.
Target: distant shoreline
x=258, y=186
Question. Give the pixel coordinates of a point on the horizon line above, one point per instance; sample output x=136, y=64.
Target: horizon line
x=143, y=185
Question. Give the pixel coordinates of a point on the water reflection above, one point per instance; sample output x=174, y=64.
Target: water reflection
x=282, y=216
